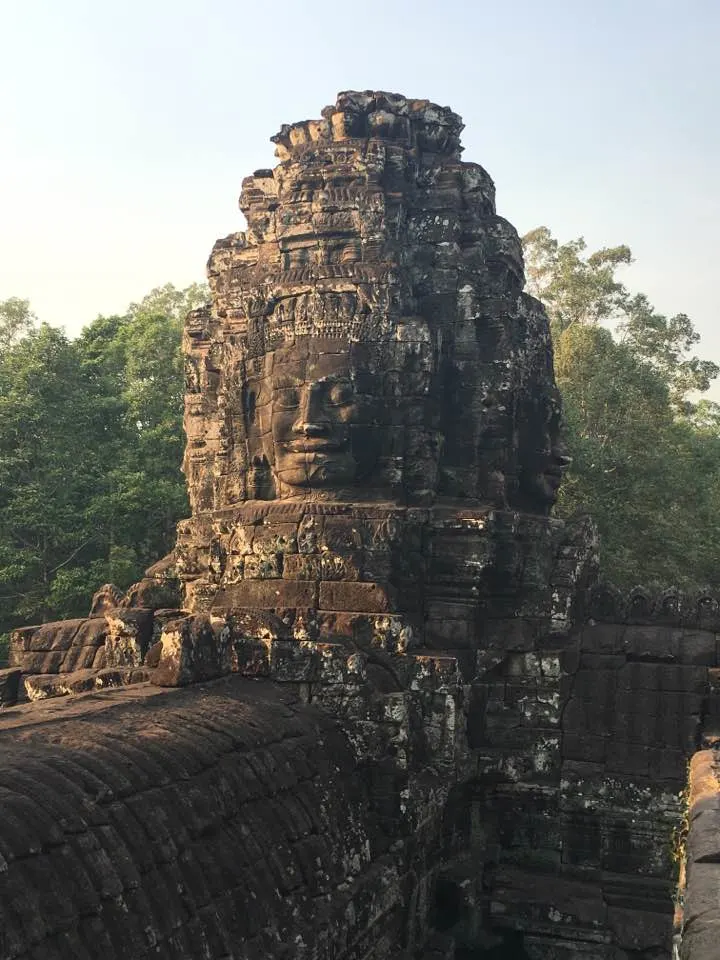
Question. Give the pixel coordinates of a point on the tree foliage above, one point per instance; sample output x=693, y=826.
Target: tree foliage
x=645, y=446
x=575, y=289
x=90, y=451
x=16, y=319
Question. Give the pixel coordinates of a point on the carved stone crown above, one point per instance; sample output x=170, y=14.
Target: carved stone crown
x=416, y=124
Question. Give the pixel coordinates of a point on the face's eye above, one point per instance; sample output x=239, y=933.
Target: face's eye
x=287, y=398
x=251, y=405
x=340, y=393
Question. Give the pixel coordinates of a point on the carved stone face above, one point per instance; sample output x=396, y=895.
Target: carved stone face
x=543, y=477
x=317, y=413
x=549, y=478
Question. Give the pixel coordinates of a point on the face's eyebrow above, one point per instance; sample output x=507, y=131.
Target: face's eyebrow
x=332, y=377
x=283, y=380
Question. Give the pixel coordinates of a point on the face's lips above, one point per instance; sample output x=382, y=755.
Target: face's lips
x=310, y=445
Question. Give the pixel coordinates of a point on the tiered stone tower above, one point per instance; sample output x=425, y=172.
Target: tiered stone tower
x=371, y=397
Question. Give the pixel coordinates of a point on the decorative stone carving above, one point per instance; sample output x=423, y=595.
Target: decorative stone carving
x=108, y=597
x=370, y=394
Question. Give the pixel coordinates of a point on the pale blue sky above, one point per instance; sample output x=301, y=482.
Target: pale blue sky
x=127, y=128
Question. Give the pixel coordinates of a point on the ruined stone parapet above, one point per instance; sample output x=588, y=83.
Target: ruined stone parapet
x=215, y=822
x=74, y=656
x=654, y=606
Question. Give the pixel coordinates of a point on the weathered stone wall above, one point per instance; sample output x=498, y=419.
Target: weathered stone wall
x=92, y=653
x=575, y=805
x=537, y=803
x=226, y=820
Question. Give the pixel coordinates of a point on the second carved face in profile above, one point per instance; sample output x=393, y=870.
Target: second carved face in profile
x=316, y=409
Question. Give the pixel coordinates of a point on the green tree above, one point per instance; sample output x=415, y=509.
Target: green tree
x=48, y=471
x=575, y=289
x=665, y=343
x=170, y=302
x=90, y=450
x=16, y=319
x=644, y=447
x=138, y=359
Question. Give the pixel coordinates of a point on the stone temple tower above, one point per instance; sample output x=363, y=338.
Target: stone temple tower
x=371, y=411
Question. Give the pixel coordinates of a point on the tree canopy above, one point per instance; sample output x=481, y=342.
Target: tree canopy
x=90, y=450
x=16, y=319
x=645, y=444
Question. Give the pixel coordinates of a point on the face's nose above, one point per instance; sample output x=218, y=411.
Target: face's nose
x=312, y=420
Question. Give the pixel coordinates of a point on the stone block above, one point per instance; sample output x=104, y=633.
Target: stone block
x=511, y=635
x=47, y=686
x=338, y=665
x=653, y=642
x=703, y=841
x=19, y=645
x=308, y=661
x=584, y=747
x=293, y=662
x=61, y=647
x=129, y=634
x=321, y=567
x=701, y=900
x=356, y=597
x=436, y=674
x=698, y=647
x=602, y=638
x=663, y=678
x=628, y=759
x=193, y=649
x=451, y=634
x=254, y=624
x=153, y=593
x=537, y=896
x=266, y=594
x=58, y=636
x=279, y=539
x=262, y=567
x=161, y=616
x=251, y=657
x=700, y=941
x=9, y=685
